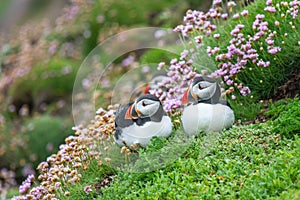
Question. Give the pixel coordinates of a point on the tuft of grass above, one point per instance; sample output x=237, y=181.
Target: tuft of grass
x=286, y=117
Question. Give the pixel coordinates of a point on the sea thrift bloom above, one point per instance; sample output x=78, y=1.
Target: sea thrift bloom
x=217, y=36
x=199, y=39
x=269, y=2
x=215, y=50
x=274, y=50
x=244, y=13
x=294, y=14
x=245, y=91
x=270, y=9
x=229, y=82
x=88, y=189
x=224, y=16
x=263, y=26
x=128, y=61
x=26, y=184
x=233, y=97
x=236, y=16
x=161, y=65
x=260, y=17
x=269, y=42
x=184, y=54
x=261, y=63
x=217, y=2
x=231, y=4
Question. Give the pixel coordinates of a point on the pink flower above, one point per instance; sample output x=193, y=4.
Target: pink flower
x=88, y=189
x=269, y=2
x=274, y=50
x=161, y=65
x=229, y=82
x=224, y=16
x=269, y=42
x=231, y=4
x=198, y=39
x=184, y=54
x=26, y=184
x=294, y=14
x=260, y=16
x=236, y=16
x=270, y=9
x=217, y=36
x=173, y=61
x=217, y=2
x=128, y=61
x=245, y=91
x=244, y=13
x=261, y=63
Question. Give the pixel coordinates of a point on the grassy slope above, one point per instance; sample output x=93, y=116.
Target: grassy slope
x=247, y=162
x=256, y=161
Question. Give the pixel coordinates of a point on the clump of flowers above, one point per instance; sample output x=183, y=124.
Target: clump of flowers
x=245, y=50
x=181, y=74
x=65, y=167
x=26, y=184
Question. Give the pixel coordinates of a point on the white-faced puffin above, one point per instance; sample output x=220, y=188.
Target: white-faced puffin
x=141, y=120
x=206, y=111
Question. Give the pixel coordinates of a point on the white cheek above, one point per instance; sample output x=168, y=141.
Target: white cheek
x=207, y=92
x=148, y=110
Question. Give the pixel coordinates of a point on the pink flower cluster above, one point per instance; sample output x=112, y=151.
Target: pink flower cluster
x=241, y=51
x=181, y=74
x=65, y=167
x=199, y=21
x=26, y=184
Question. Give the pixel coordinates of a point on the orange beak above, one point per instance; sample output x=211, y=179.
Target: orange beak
x=138, y=112
x=146, y=91
x=184, y=99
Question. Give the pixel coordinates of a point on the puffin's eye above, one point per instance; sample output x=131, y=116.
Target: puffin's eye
x=143, y=103
x=200, y=87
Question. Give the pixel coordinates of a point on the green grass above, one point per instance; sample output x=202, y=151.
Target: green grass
x=245, y=162
x=286, y=115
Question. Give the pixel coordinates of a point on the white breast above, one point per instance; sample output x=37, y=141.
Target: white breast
x=206, y=117
x=142, y=134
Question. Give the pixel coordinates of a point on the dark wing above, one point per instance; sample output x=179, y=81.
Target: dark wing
x=120, y=121
x=224, y=102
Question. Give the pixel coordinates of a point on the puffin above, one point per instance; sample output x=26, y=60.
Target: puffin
x=139, y=121
x=205, y=111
